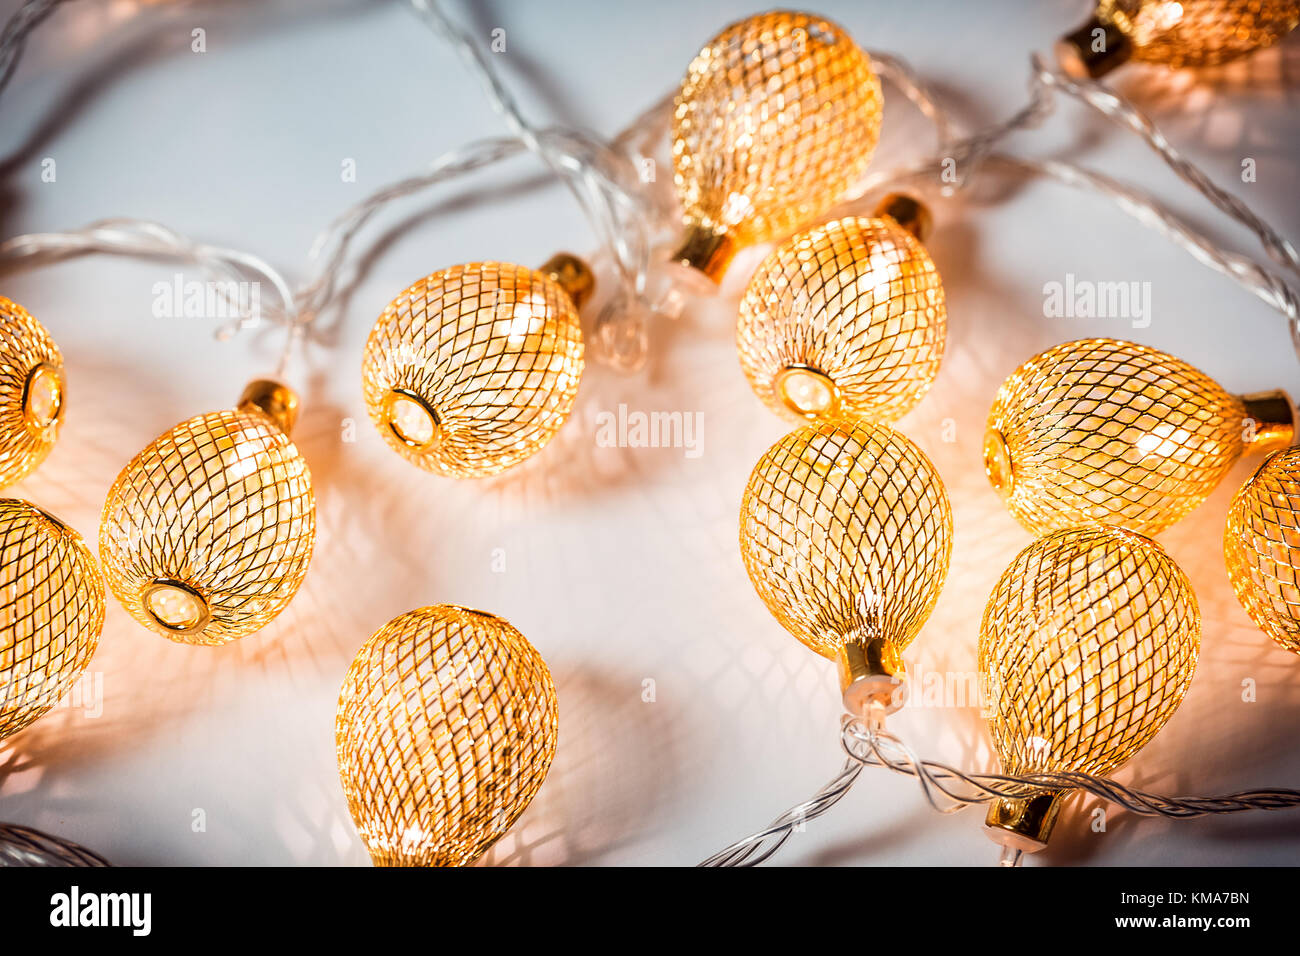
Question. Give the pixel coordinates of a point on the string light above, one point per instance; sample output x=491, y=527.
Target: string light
x=206, y=535
x=475, y=368
x=778, y=115
x=52, y=609
x=32, y=392
x=446, y=728
x=1261, y=545
x=1106, y=431
x=1088, y=643
x=847, y=318
x=1186, y=33
x=846, y=532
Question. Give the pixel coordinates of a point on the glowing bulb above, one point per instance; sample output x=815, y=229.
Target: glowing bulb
x=1107, y=432
x=32, y=392
x=207, y=534
x=1174, y=33
x=475, y=368
x=777, y=117
x=846, y=318
x=446, y=728
x=846, y=532
x=1089, y=642
x=51, y=612
x=1261, y=545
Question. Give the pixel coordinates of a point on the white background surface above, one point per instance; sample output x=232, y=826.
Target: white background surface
x=621, y=564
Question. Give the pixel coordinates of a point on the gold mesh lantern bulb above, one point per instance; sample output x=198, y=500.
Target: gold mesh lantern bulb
x=51, y=612
x=847, y=318
x=1101, y=431
x=846, y=532
x=777, y=117
x=207, y=534
x=1261, y=546
x=446, y=727
x=1174, y=33
x=475, y=368
x=32, y=392
x=1088, y=643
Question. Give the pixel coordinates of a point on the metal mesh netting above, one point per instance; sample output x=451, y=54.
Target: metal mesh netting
x=858, y=301
x=1106, y=431
x=492, y=353
x=31, y=392
x=1261, y=544
x=207, y=534
x=1199, y=32
x=51, y=612
x=777, y=116
x=446, y=727
x=846, y=532
x=1089, y=642
x=23, y=846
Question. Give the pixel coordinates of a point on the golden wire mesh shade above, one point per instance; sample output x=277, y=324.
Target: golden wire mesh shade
x=32, y=392
x=207, y=534
x=846, y=318
x=1186, y=33
x=778, y=115
x=1261, y=545
x=846, y=532
x=474, y=368
x=51, y=612
x=1088, y=643
x=1109, y=432
x=446, y=727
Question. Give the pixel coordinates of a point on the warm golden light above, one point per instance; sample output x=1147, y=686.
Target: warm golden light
x=207, y=534
x=475, y=368
x=51, y=612
x=31, y=392
x=846, y=532
x=1175, y=33
x=846, y=318
x=777, y=117
x=1261, y=545
x=1089, y=642
x=446, y=728
x=1109, y=432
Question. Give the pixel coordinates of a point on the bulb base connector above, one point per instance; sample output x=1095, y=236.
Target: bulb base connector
x=571, y=274
x=1023, y=823
x=1087, y=55
x=997, y=462
x=276, y=401
x=872, y=676
x=909, y=212
x=707, y=252
x=1271, y=420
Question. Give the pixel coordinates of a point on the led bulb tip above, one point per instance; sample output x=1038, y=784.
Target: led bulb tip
x=1093, y=50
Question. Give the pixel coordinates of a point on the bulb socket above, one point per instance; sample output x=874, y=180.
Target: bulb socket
x=707, y=252
x=807, y=391
x=909, y=212
x=1023, y=823
x=276, y=401
x=997, y=463
x=572, y=275
x=872, y=674
x=1084, y=55
x=1272, y=419
x=44, y=397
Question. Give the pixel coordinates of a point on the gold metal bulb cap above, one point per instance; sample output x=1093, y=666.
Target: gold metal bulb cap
x=872, y=675
x=1271, y=420
x=572, y=275
x=807, y=391
x=175, y=606
x=909, y=212
x=411, y=419
x=276, y=401
x=1023, y=823
x=997, y=462
x=1086, y=54
x=707, y=252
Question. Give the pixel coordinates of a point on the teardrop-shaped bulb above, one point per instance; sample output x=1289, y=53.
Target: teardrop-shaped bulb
x=1101, y=431
x=207, y=534
x=446, y=727
x=33, y=392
